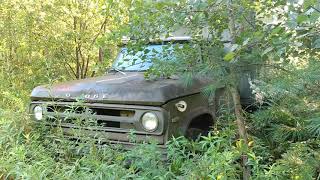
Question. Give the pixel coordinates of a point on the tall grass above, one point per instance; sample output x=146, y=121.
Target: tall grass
x=28, y=151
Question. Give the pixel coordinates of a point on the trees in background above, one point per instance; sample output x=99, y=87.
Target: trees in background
x=52, y=40
x=60, y=39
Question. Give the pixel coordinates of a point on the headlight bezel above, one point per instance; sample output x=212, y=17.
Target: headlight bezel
x=142, y=121
x=38, y=109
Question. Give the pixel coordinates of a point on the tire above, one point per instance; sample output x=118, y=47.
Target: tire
x=195, y=133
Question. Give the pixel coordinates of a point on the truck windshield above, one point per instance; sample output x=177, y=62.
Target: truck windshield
x=142, y=58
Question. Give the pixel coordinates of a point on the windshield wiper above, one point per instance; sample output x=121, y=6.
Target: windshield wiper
x=118, y=70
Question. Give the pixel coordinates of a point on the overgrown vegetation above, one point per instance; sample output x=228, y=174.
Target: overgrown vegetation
x=47, y=41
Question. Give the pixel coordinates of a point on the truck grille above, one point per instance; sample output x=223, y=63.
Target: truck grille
x=106, y=122
x=94, y=111
x=91, y=116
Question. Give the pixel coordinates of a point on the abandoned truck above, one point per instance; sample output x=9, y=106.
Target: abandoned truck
x=123, y=101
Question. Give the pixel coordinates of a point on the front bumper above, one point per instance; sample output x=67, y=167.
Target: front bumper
x=115, y=144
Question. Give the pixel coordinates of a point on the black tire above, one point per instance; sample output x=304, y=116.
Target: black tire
x=195, y=133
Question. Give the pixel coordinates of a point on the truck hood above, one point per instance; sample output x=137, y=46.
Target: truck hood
x=131, y=88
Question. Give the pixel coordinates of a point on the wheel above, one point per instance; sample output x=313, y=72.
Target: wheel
x=195, y=133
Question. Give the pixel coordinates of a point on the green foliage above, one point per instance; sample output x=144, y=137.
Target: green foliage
x=42, y=39
x=37, y=152
x=314, y=127
x=299, y=162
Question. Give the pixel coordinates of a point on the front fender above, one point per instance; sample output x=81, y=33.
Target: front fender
x=178, y=122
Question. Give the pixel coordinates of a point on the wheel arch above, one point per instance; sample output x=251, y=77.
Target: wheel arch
x=196, y=115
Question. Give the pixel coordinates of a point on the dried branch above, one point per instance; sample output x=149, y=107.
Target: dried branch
x=102, y=27
x=247, y=20
x=73, y=72
x=86, y=67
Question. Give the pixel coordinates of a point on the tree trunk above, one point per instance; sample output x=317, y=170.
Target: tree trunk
x=101, y=54
x=240, y=119
x=76, y=49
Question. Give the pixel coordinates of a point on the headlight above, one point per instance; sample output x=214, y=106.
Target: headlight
x=38, y=113
x=150, y=121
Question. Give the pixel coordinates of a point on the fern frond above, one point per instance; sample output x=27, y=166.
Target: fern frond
x=314, y=127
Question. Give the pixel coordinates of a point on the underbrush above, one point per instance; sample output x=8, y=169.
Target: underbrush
x=284, y=143
x=29, y=152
